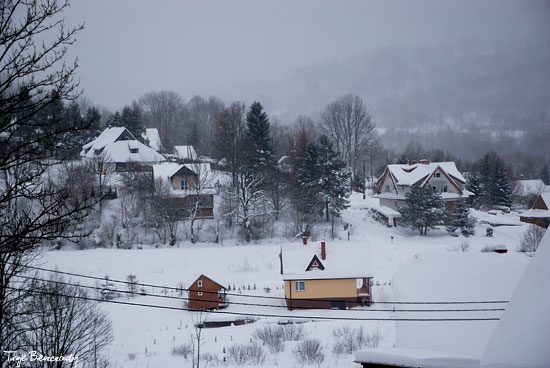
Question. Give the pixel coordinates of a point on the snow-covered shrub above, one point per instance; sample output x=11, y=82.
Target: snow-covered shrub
x=531, y=238
x=272, y=337
x=293, y=332
x=252, y=354
x=488, y=249
x=309, y=352
x=210, y=359
x=463, y=246
x=348, y=340
x=185, y=349
x=275, y=336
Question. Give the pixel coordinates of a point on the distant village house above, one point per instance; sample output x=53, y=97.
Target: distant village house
x=442, y=177
x=206, y=294
x=118, y=150
x=539, y=214
x=324, y=279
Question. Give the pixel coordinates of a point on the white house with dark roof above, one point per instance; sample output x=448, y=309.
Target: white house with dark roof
x=442, y=177
x=117, y=148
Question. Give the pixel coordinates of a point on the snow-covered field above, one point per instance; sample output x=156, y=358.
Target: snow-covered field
x=144, y=337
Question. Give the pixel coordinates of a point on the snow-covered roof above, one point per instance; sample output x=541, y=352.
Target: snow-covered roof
x=167, y=170
x=454, y=276
x=444, y=195
x=121, y=151
x=185, y=152
x=109, y=135
x=341, y=262
x=415, y=358
x=536, y=213
x=546, y=198
x=196, y=276
x=408, y=175
x=522, y=336
x=153, y=136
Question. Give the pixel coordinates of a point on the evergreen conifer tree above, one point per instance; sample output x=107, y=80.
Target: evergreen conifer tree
x=461, y=220
x=475, y=186
x=425, y=209
x=501, y=190
x=131, y=120
x=309, y=202
x=333, y=179
x=260, y=138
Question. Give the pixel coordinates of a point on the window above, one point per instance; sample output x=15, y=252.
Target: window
x=184, y=184
x=437, y=175
x=387, y=188
x=199, y=293
x=199, y=283
x=300, y=286
x=434, y=189
x=133, y=150
x=444, y=189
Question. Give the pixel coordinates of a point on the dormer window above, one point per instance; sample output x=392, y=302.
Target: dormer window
x=387, y=188
x=133, y=150
x=184, y=184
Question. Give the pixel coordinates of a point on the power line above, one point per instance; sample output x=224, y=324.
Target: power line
x=249, y=295
x=260, y=314
x=254, y=304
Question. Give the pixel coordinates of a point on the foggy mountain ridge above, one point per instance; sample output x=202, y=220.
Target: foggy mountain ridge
x=433, y=85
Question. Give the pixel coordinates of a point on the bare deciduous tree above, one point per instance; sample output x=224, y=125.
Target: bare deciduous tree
x=34, y=76
x=65, y=323
x=348, y=123
x=164, y=110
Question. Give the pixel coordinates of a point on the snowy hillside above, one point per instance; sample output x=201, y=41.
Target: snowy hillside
x=414, y=264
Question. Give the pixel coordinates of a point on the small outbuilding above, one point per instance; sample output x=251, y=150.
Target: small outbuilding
x=540, y=213
x=206, y=294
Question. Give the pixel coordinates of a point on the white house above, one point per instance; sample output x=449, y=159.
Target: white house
x=117, y=148
x=442, y=177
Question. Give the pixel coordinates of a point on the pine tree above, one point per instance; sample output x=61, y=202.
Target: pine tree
x=461, y=220
x=501, y=190
x=131, y=120
x=545, y=175
x=333, y=179
x=486, y=174
x=309, y=203
x=475, y=186
x=425, y=209
x=260, y=138
x=358, y=182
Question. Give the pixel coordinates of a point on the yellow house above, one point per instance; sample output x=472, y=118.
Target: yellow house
x=314, y=280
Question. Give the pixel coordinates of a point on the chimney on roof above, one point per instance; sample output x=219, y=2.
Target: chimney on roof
x=109, y=126
x=323, y=251
x=424, y=162
x=412, y=162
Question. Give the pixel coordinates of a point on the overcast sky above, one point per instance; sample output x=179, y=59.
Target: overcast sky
x=235, y=49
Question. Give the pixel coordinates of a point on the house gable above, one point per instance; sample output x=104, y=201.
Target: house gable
x=125, y=136
x=540, y=204
x=315, y=264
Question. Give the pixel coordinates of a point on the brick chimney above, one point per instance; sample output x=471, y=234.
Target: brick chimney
x=424, y=162
x=323, y=251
